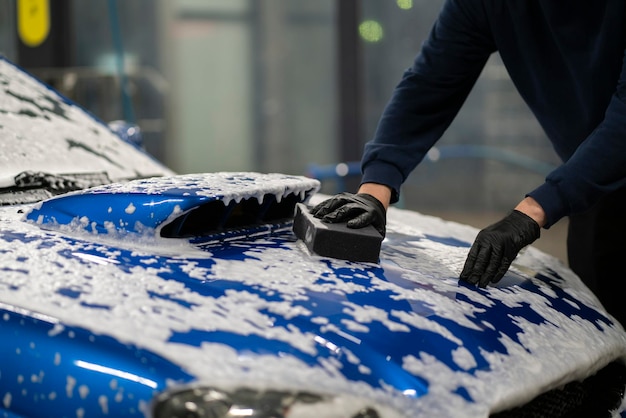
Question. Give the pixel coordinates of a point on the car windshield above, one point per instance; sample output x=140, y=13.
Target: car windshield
x=47, y=142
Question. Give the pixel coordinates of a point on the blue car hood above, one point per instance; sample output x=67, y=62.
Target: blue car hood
x=259, y=309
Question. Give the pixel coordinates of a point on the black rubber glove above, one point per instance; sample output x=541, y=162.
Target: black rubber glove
x=496, y=247
x=358, y=210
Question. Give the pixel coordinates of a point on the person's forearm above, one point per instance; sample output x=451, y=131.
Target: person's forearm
x=530, y=207
x=379, y=191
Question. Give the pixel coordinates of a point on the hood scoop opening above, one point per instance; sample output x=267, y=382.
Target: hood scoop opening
x=213, y=206
x=217, y=219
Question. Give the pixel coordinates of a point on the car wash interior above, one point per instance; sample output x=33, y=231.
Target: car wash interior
x=293, y=88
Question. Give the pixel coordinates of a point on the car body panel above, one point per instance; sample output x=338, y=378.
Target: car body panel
x=101, y=310
x=268, y=313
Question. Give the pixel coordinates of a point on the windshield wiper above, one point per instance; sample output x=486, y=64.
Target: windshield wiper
x=30, y=186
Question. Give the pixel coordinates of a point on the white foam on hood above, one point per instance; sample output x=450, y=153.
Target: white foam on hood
x=227, y=186
x=34, y=273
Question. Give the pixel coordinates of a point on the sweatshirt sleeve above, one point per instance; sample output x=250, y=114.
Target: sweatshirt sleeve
x=597, y=168
x=430, y=93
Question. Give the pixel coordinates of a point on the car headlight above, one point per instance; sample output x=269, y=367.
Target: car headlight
x=206, y=402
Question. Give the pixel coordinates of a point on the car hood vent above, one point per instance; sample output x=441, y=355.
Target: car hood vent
x=211, y=206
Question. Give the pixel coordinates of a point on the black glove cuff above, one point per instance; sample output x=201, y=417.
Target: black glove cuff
x=532, y=226
x=374, y=201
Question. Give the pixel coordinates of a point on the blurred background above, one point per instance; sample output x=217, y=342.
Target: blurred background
x=291, y=86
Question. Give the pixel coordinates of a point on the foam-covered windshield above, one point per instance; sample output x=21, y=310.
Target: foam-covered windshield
x=43, y=131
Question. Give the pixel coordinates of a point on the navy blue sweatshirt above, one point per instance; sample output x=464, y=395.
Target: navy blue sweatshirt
x=566, y=58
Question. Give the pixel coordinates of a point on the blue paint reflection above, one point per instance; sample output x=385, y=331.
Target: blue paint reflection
x=61, y=369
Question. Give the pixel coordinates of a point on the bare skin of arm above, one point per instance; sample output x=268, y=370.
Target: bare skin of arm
x=379, y=191
x=528, y=206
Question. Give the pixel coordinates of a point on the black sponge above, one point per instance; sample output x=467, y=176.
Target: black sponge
x=336, y=240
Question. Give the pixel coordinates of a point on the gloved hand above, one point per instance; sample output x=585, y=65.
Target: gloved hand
x=496, y=247
x=358, y=210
